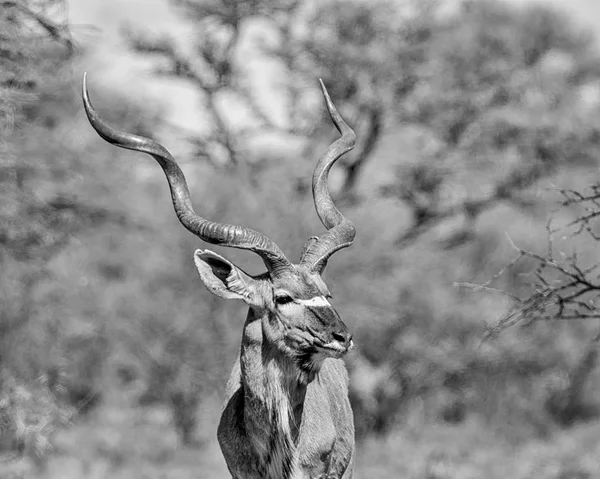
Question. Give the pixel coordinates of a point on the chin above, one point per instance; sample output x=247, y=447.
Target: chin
x=310, y=359
x=336, y=354
x=335, y=350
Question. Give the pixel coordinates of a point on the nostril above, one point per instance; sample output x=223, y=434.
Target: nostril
x=339, y=337
x=344, y=338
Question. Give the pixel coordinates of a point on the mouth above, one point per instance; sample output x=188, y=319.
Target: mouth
x=314, y=344
x=336, y=348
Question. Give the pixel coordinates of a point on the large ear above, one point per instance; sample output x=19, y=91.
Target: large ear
x=225, y=279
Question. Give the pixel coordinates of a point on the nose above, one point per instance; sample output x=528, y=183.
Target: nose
x=344, y=337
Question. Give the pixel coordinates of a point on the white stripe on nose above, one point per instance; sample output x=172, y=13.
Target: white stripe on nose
x=316, y=301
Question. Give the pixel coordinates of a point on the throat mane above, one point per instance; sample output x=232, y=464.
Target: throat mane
x=284, y=401
x=274, y=394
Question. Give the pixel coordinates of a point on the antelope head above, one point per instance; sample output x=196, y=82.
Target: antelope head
x=290, y=300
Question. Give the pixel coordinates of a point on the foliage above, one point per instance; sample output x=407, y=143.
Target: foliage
x=31, y=414
x=32, y=32
x=52, y=346
x=35, y=45
x=491, y=87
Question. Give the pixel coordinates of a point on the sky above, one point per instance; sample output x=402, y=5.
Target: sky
x=96, y=25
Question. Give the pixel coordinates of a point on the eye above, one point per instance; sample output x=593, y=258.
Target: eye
x=283, y=299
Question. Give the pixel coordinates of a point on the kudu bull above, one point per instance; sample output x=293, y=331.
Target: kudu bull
x=286, y=413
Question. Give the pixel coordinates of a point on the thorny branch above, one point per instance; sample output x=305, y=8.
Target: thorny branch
x=590, y=204
x=563, y=286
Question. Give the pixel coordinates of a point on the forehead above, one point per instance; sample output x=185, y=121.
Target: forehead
x=302, y=284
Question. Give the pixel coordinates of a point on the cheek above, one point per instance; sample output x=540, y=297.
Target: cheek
x=275, y=326
x=273, y=321
x=288, y=314
x=288, y=321
x=279, y=333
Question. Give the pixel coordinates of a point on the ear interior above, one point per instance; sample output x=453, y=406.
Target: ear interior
x=223, y=278
x=220, y=269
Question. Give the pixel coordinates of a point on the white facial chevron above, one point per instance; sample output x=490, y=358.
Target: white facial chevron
x=316, y=301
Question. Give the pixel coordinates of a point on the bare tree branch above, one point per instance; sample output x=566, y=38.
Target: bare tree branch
x=563, y=288
x=590, y=203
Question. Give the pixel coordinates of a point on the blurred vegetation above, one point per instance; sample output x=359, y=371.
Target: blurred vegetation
x=465, y=117
x=36, y=221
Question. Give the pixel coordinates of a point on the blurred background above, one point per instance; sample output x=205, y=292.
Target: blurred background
x=471, y=288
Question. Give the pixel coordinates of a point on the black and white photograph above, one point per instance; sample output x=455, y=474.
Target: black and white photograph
x=299, y=239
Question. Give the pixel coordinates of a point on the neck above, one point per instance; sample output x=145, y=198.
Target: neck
x=274, y=392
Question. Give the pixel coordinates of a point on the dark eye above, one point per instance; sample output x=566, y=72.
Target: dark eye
x=283, y=299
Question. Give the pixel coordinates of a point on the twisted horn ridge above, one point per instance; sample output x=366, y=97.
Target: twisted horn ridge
x=209, y=231
x=341, y=231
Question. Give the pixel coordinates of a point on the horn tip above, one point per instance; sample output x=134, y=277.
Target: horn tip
x=331, y=108
x=325, y=92
x=84, y=89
